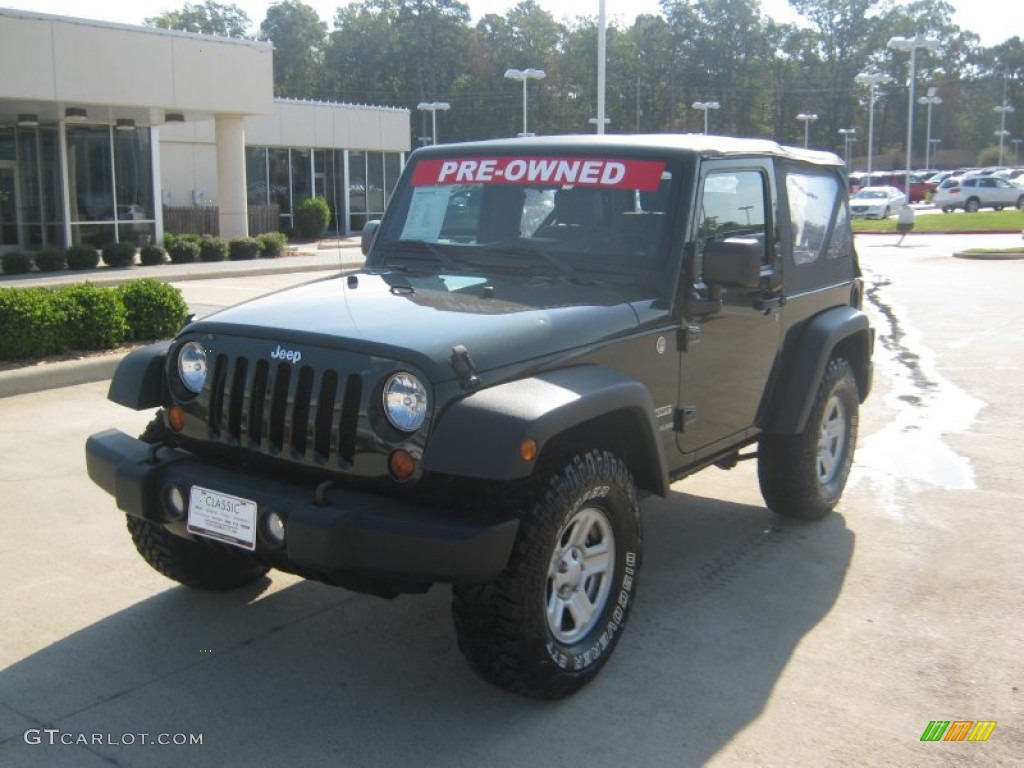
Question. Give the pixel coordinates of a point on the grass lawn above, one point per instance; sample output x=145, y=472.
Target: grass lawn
x=958, y=221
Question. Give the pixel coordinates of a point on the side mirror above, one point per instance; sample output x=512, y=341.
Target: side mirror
x=734, y=262
x=369, y=232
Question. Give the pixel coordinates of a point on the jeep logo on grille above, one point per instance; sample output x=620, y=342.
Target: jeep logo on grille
x=291, y=355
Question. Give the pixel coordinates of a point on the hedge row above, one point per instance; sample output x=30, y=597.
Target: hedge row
x=181, y=249
x=44, y=321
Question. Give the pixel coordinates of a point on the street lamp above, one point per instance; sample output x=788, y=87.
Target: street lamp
x=1002, y=110
x=847, y=134
x=912, y=44
x=931, y=100
x=705, y=106
x=872, y=81
x=807, y=118
x=432, y=107
x=524, y=75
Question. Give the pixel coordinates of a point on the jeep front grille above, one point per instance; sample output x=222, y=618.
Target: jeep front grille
x=290, y=411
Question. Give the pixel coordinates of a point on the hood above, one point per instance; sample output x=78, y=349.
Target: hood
x=419, y=318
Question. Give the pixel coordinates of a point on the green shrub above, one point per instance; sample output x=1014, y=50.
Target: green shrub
x=119, y=254
x=183, y=251
x=170, y=239
x=243, y=248
x=16, y=262
x=272, y=244
x=154, y=310
x=212, y=248
x=50, y=260
x=31, y=323
x=93, y=317
x=312, y=216
x=83, y=256
x=151, y=255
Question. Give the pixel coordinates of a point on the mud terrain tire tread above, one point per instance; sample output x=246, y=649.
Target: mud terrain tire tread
x=787, y=464
x=502, y=626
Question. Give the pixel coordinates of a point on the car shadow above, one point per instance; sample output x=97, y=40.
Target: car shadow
x=288, y=672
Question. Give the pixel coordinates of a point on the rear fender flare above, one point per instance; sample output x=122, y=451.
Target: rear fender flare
x=805, y=355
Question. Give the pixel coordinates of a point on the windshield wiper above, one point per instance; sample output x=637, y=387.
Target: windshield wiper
x=559, y=264
x=421, y=247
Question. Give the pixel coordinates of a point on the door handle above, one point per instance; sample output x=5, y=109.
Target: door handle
x=767, y=303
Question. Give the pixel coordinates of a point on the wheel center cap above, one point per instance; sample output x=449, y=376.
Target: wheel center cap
x=568, y=571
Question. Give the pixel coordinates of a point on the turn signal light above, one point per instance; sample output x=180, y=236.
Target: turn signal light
x=528, y=449
x=401, y=464
x=176, y=417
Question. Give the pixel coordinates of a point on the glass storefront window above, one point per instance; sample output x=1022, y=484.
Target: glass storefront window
x=302, y=178
x=280, y=180
x=392, y=170
x=7, y=147
x=134, y=174
x=357, y=190
x=90, y=173
x=256, y=192
x=375, y=183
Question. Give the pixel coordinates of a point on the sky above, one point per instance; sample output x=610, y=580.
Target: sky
x=987, y=18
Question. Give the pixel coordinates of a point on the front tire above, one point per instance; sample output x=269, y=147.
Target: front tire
x=190, y=562
x=550, y=621
x=972, y=205
x=803, y=475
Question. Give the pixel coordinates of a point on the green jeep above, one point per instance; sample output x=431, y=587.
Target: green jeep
x=545, y=330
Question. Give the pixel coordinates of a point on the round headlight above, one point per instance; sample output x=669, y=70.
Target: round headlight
x=192, y=366
x=405, y=402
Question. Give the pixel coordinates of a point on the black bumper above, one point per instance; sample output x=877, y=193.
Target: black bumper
x=346, y=534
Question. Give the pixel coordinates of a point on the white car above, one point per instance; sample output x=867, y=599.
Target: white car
x=978, y=192
x=877, y=202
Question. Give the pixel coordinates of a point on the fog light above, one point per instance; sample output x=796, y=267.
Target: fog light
x=175, y=502
x=401, y=464
x=273, y=527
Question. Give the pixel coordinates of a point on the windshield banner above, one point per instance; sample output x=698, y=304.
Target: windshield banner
x=644, y=175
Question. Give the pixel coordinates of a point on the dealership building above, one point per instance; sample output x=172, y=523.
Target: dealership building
x=116, y=132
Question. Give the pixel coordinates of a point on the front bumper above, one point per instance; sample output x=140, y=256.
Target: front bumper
x=337, y=535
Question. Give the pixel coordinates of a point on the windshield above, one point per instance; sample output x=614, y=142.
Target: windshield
x=542, y=212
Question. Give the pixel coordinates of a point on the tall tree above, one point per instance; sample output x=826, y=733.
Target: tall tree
x=209, y=18
x=299, y=36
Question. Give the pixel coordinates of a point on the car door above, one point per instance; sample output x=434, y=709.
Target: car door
x=731, y=334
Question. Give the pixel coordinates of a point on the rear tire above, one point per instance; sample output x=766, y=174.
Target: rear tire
x=803, y=475
x=550, y=621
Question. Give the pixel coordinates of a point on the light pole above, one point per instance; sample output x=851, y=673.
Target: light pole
x=705, y=106
x=524, y=75
x=872, y=81
x=432, y=107
x=847, y=134
x=1002, y=132
x=807, y=118
x=931, y=100
x=912, y=44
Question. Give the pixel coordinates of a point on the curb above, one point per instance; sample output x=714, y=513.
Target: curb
x=36, y=378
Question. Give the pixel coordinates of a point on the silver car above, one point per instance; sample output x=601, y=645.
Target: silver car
x=978, y=192
x=877, y=202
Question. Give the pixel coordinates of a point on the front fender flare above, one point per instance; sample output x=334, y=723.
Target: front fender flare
x=138, y=382
x=480, y=435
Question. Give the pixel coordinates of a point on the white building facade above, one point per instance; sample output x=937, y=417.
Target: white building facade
x=102, y=125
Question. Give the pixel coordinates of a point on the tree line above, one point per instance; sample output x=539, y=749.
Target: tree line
x=761, y=73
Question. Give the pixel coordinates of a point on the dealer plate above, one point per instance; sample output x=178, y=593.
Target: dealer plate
x=222, y=517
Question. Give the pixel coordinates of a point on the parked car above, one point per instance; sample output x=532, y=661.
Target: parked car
x=978, y=192
x=919, y=186
x=876, y=202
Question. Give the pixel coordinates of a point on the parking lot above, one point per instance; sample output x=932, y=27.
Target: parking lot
x=754, y=641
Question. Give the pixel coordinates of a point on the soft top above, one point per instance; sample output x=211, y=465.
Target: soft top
x=705, y=146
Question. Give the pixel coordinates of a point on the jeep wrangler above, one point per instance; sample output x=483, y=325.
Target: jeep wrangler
x=544, y=331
